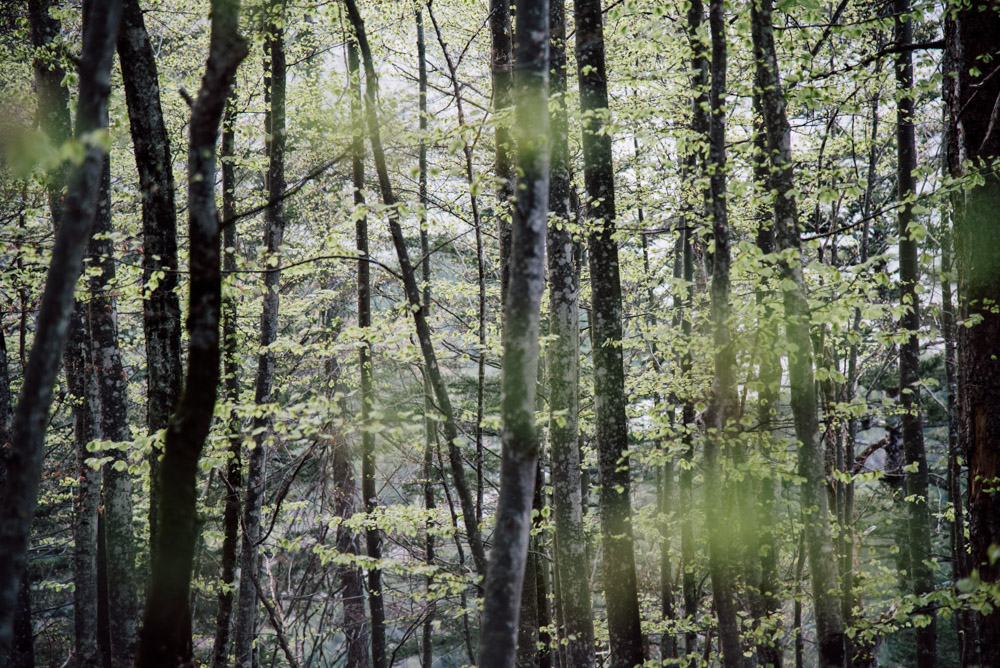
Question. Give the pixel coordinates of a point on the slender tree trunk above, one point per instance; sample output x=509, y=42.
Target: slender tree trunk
x=822, y=557
x=610, y=424
x=166, y=633
x=24, y=462
x=977, y=246
x=231, y=383
x=722, y=402
x=112, y=390
x=502, y=71
x=917, y=499
x=274, y=230
x=427, y=470
x=161, y=312
x=373, y=536
x=499, y=631
x=572, y=573
x=412, y=291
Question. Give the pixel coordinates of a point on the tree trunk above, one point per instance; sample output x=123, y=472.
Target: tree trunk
x=917, y=500
x=413, y=298
x=161, y=311
x=230, y=347
x=822, y=557
x=977, y=241
x=498, y=635
x=722, y=401
x=274, y=230
x=166, y=634
x=502, y=71
x=112, y=391
x=24, y=461
x=572, y=573
x=610, y=424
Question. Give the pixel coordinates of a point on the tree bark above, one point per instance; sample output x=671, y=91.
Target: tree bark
x=977, y=241
x=161, y=311
x=721, y=403
x=231, y=382
x=112, y=391
x=610, y=423
x=572, y=574
x=24, y=462
x=822, y=557
x=166, y=634
x=412, y=291
x=499, y=631
x=502, y=72
x=917, y=500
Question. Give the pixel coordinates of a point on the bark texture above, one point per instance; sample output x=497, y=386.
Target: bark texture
x=502, y=71
x=563, y=355
x=166, y=634
x=24, y=461
x=610, y=424
x=161, y=311
x=501, y=603
x=821, y=555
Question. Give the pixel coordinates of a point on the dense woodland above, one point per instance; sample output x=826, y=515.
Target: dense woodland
x=476, y=332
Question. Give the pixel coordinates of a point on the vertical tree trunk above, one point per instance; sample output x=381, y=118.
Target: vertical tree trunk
x=274, y=230
x=231, y=382
x=917, y=501
x=977, y=241
x=24, y=461
x=498, y=635
x=412, y=291
x=112, y=390
x=572, y=573
x=502, y=71
x=369, y=496
x=161, y=311
x=822, y=557
x=610, y=424
x=166, y=633
x=721, y=404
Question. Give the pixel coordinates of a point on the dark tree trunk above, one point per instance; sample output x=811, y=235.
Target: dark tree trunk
x=822, y=557
x=502, y=70
x=274, y=230
x=499, y=631
x=231, y=382
x=572, y=573
x=722, y=401
x=412, y=291
x=24, y=460
x=610, y=425
x=161, y=311
x=977, y=241
x=917, y=501
x=166, y=634
x=112, y=391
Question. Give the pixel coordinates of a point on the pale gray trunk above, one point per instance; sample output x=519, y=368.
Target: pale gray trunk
x=504, y=581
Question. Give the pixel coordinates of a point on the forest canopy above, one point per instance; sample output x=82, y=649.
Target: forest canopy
x=477, y=332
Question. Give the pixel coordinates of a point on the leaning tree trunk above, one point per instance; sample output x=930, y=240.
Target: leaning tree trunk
x=722, y=401
x=274, y=230
x=501, y=602
x=917, y=500
x=977, y=242
x=610, y=422
x=161, y=311
x=563, y=353
x=24, y=463
x=166, y=634
x=412, y=292
x=822, y=557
